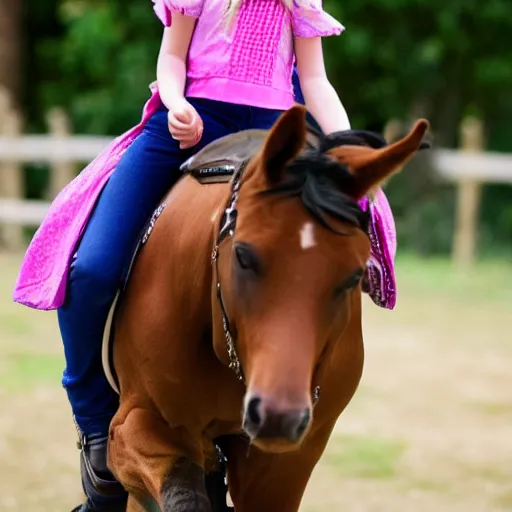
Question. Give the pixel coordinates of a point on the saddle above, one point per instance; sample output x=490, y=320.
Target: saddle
x=217, y=162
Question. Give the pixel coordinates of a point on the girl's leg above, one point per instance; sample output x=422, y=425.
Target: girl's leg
x=263, y=118
x=144, y=175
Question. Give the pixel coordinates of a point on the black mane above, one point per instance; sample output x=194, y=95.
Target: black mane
x=319, y=181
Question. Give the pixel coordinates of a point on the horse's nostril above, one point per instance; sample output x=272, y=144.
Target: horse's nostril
x=304, y=423
x=253, y=411
x=263, y=419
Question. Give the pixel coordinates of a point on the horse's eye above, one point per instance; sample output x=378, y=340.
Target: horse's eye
x=351, y=282
x=339, y=293
x=354, y=279
x=246, y=258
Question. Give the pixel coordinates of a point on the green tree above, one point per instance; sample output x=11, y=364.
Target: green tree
x=397, y=59
x=104, y=62
x=11, y=47
x=440, y=58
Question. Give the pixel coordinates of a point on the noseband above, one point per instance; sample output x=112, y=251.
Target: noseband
x=227, y=230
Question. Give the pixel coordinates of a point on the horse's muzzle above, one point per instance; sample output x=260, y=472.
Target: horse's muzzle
x=264, y=421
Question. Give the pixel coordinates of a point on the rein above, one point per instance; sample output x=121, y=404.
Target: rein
x=227, y=230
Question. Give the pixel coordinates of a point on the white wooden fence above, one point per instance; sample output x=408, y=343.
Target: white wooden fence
x=468, y=168
x=58, y=150
x=62, y=154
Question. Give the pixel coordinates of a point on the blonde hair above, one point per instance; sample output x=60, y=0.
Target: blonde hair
x=234, y=8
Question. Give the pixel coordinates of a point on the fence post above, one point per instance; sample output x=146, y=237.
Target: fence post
x=468, y=198
x=61, y=173
x=11, y=179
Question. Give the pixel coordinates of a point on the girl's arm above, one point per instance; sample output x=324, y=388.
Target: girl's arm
x=322, y=101
x=172, y=60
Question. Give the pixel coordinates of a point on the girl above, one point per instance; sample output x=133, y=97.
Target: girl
x=223, y=66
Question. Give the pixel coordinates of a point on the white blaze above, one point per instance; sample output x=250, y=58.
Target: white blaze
x=307, y=236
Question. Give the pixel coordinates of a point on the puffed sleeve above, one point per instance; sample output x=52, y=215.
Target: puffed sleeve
x=165, y=8
x=310, y=20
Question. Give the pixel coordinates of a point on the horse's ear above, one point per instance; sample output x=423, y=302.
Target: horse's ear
x=371, y=167
x=284, y=142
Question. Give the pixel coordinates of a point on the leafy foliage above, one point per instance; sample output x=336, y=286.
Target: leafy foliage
x=397, y=59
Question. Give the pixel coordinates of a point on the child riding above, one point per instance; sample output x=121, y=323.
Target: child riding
x=223, y=66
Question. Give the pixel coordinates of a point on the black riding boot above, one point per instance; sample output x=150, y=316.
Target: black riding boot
x=104, y=493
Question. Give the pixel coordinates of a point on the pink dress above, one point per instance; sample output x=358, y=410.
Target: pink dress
x=265, y=31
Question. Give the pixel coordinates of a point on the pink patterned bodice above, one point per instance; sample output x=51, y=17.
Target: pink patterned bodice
x=249, y=62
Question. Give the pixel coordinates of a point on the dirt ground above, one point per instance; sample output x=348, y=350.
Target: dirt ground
x=430, y=428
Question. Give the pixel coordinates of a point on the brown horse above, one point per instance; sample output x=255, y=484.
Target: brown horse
x=278, y=301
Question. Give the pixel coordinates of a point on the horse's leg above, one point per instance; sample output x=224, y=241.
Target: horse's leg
x=134, y=505
x=273, y=482
x=152, y=460
x=149, y=505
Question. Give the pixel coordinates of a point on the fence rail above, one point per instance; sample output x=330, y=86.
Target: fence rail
x=18, y=212
x=455, y=165
x=468, y=168
x=55, y=149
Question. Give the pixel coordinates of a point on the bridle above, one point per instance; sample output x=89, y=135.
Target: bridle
x=227, y=230
x=235, y=168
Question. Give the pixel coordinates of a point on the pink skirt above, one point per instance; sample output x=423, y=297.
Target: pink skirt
x=42, y=280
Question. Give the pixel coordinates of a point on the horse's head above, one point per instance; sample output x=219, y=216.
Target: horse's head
x=291, y=253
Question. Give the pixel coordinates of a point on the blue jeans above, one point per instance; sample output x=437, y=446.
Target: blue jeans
x=148, y=169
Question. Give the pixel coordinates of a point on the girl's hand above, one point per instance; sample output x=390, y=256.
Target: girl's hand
x=185, y=124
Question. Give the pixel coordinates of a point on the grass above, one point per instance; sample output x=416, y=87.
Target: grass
x=504, y=500
x=488, y=280
x=365, y=457
x=428, y=485
x=25, y=372
x=428, y=429
x=14, y=323
x=494, y=408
